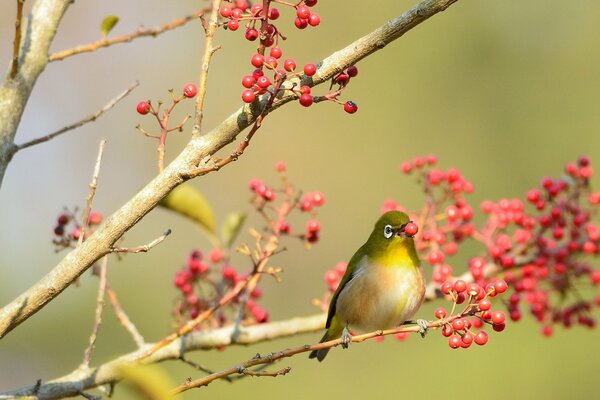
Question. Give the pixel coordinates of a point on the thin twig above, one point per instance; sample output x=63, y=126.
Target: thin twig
x=249, y=372
x=123, y=318
x=89, y=118
x=200, y=367
x=144, y=248
x=91, y=192
x=87, y=355
x=86, y=48
x=209, y=50
x=17, y=43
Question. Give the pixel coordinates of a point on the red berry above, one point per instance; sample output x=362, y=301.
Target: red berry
x=317, y=198
x=440, y=313
x=454, y=341
x=76, y=233
x=251, y=34
x=228, y=272
x=484, y=304
x=190, y=90
x=255, y=9
x=143, y=107
x=270, y=62
x=446, y=287
x=306, y=100
x=263, y=82
x=94, y=218
x=481, y=338
x=63, y=219
x=280, y=166
x=303, y=12
x=350, y=107
x=215, y=255
x=248, y=81
x=233, y=24
x=498, y=317
x=313, y=226
x=306, y=205
x=289, y=64
x=273, y=13
x=458, y=324
x=59, y=230
x=300, y=23
x=257, y=60
x=242, y=4
x=275, y=52
x=314, y=20
x=225, y=11
x=411, y=229
x=460, y=286
x=310, y=69
x=310, y=3
x=248, y=96
x=352, y=71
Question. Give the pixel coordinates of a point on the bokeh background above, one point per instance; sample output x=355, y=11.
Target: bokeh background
x=506, y=92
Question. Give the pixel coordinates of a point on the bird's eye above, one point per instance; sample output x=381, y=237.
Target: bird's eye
x=388, y=232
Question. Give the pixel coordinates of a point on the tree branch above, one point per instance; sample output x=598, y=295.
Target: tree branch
x=85, y=378
x=90, y=118
x=40, y=28
x=86, y=48
x=105, y=236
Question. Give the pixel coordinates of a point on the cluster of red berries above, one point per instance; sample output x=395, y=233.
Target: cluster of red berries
x=460, y=331
x=543, y=251
x=202, y=281
x=68, y=230
x=145, y=106
x=309, y=201
x=259, y=25
x=205, y=280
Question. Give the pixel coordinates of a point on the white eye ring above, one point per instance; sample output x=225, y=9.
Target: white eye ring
x=388, y=232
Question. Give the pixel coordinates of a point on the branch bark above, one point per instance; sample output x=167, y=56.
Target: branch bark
x=37, y=35
x=89, y=377
x=103, y=239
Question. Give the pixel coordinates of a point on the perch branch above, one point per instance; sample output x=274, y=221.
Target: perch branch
x=105, y=236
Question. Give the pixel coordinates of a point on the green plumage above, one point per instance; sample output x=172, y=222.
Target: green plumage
x=383, y=283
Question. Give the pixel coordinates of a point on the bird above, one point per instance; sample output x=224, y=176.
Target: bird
x=383, y=285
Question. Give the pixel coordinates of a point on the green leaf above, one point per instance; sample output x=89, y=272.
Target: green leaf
x=107, y=24
x=187, y=201
x=231, y=227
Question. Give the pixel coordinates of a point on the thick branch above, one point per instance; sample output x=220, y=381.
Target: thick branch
x=105, y=236
x=86, y=378
x=37, y=34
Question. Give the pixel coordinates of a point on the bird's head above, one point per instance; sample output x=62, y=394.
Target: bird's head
x=394, y=231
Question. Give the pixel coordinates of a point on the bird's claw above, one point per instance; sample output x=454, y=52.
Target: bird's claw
x=423, y=327
x=346, y=338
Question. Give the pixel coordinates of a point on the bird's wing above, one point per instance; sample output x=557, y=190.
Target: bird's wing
x=348, y=275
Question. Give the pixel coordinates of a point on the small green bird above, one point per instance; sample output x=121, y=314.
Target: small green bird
x=383, y=285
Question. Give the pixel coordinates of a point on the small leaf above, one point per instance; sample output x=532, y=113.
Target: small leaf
x=187, y=201
x=107, y=24
x=149, y=381
x=231, y=227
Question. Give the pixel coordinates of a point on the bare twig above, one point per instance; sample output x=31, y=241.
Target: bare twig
x=87, y=355
x=86, y=48
x=91, y=192
x=250, y=372
x=124, y=319
x=200, y=367
x=89, y=118
x=209, y=50
x=106, y=235
x=144, y=248
x=17, y=43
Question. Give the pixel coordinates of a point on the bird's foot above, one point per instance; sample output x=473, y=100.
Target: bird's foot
x=423, y=326
x=346, y=338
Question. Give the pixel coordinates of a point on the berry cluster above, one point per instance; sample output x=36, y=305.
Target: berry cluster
x=542, y=250
x=205, y=280
x=68, y=229
x=460, y=328
x=202, y=280
x=259, y=25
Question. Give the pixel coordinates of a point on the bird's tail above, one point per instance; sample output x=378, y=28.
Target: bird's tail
x=334, y=331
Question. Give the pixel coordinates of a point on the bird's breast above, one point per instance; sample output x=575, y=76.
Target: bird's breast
x=380, y=297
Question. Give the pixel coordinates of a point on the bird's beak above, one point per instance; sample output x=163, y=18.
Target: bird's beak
x=402, y=233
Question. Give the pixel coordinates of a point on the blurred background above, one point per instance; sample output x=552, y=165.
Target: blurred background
x=506, y=92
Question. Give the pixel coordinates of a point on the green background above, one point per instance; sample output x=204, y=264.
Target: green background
x=505, y=91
